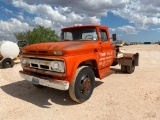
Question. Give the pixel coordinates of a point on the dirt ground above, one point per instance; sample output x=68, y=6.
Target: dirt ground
x=118, y=97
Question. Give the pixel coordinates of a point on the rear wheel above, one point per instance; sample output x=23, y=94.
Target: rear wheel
x=130, y=69
x=7, y=63
x=83, y=84
x=123, y=68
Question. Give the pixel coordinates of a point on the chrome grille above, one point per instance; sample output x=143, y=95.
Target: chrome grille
x=40, y=64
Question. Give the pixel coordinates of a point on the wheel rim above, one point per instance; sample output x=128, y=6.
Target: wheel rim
x=85, y=85
x=8, y=64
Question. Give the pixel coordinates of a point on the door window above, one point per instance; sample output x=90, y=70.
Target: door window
x=103, y=35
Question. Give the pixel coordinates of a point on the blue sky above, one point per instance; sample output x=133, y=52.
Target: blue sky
x=131, y=20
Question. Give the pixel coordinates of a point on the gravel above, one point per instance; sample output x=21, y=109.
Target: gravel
x=118, y=97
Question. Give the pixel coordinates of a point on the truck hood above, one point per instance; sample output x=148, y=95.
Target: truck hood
x=66, y=47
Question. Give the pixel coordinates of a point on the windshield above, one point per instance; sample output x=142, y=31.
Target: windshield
x=79, y=34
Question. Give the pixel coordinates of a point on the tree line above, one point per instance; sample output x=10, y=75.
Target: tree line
x=37, y=35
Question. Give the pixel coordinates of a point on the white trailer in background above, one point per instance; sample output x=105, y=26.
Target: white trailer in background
x=8, y=52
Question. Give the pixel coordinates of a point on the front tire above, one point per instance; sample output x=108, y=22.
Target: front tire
x=83, y=84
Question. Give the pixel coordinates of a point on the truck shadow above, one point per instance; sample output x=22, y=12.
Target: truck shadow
x=117, y=71
x=44, y=98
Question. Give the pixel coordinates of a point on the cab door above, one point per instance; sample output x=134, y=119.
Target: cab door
x=106, y=54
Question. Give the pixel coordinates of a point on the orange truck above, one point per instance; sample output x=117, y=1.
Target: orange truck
x=72, y=63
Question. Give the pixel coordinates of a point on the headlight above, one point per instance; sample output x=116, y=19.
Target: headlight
x=25, y=61
x=57, y=66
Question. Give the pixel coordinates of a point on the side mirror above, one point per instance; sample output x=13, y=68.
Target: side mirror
x=114, y=38
x=22, y=43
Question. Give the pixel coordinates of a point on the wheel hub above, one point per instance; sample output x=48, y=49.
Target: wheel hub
x=85, y=85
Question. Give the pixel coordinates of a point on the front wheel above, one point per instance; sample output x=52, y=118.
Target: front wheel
x=83, y=84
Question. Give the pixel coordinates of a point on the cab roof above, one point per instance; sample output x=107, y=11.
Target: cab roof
x=83, y=26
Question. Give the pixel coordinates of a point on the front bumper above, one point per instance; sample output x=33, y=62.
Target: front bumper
x=52, y=83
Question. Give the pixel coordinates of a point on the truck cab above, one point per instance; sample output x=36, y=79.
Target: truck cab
x=99, y=39
x=72, y=63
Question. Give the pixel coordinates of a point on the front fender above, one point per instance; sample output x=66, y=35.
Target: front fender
x=72, y=63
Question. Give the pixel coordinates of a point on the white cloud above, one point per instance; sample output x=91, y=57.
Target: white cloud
x=142, y=13
x=125, y=29
x=61, y=13
x=89, y=7
x=43, y=22
x=8, y=11
x=11, y=26
x=128, y=29
x=156, y=29
x=112, y=29
x=61, y=16
x=20, y=17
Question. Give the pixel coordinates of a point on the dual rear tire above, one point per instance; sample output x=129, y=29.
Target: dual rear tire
x=128, y=69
